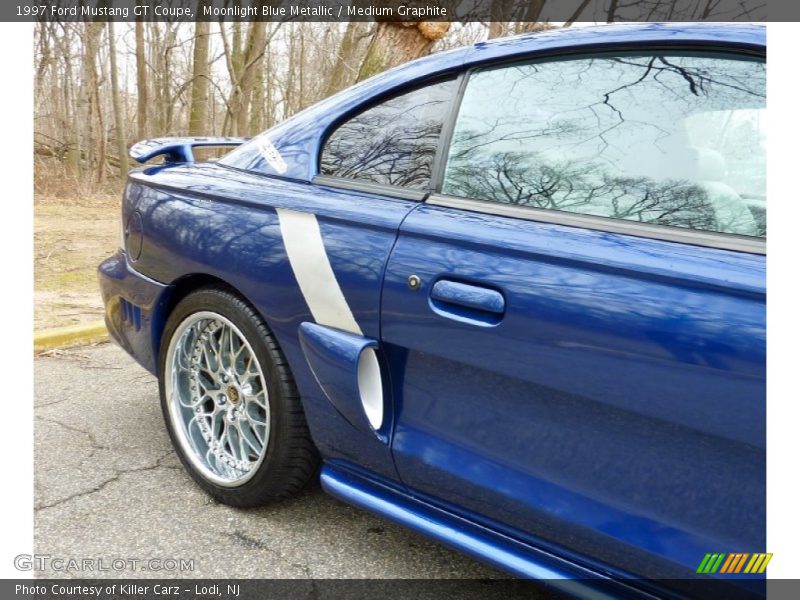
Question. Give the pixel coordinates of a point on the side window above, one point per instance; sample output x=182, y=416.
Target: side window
x=392, y=143
x=666, y=139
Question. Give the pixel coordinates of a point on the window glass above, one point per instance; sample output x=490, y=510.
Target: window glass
x=673, y=140
x=392, y=143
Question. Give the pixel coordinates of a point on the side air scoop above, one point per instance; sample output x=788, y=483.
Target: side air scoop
x=347, y=369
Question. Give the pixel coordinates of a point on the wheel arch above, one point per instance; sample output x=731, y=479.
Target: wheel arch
x=177, y=291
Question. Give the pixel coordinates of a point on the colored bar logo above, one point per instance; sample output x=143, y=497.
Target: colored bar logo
x=737, y=562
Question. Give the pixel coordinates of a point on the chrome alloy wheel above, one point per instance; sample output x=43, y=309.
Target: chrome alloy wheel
x=218, y=399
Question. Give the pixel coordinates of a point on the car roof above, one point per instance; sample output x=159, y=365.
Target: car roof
x=743, y=34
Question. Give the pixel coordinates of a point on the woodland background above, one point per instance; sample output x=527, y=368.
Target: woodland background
x=100, y=87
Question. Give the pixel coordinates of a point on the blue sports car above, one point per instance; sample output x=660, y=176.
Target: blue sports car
x=511, y=296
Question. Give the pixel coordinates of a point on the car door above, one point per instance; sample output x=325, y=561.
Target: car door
x=576, y=321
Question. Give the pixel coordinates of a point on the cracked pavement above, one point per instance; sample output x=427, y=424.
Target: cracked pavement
x=108, y=485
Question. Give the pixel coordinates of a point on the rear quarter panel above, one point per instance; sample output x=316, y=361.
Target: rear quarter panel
x=220, y=222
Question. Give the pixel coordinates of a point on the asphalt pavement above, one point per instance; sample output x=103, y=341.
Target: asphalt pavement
x=110, y=489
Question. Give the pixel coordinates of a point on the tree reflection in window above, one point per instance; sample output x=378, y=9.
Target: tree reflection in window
x=393, y=143
x=673, y=140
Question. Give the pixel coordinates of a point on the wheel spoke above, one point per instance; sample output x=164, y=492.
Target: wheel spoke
x=254, y=425
x=233, y=440
x=252, y=418
x=256, y=444
x=232, y=352
x=250, y=371
x=225, y=348
x=184, y=359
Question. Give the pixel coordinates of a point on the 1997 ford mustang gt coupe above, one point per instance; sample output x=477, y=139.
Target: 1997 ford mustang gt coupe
x=511, y=296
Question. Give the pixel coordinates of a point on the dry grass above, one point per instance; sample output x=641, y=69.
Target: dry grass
x=76, y=225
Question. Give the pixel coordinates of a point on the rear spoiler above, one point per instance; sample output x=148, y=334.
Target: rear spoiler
x=178, y=149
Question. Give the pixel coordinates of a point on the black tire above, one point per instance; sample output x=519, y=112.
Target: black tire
x=290, y=460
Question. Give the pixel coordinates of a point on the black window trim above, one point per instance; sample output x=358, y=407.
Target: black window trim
x=391, y=191
x=697, y=237
x=668, y=233
x=369, y=187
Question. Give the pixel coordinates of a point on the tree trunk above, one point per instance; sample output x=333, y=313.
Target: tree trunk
x=497, y=29
x=396, y=43
x=93, y=141
x=253, y=55
x=500, y=13
x=612, y=9
x=45, y=57
x=576, y=15
x=233, y=58
x=345, y=68
x=243, y=62
x=141, y=82
x=530, y=20
x=256, y=124
x=531, y=27
x=71, y=124
x=237, y=47
x=164, y=36
x=269, y=93
x=533, y=11
x=198, y=112
x=119, y=122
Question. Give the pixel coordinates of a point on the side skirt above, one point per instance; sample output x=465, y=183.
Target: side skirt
x=472, y=539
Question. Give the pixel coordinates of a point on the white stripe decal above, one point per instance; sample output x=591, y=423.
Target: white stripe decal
x=312, y=269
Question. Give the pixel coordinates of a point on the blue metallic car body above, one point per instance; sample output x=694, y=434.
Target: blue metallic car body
x=521, y=440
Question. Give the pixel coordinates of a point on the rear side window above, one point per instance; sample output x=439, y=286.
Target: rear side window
x=675, y=140
x=391, y=143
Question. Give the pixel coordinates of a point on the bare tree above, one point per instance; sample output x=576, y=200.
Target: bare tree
x=176, y=79
x=612, y=9
x=396, y=43
x=119, y=122
x=515, y=18
x=141, y=82
x=93, y=142
x=345, y=69
x=501, y=13
x=578, y=11
x=244, y=57
x=198, y=112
